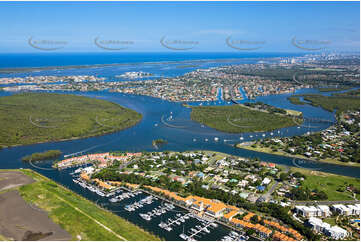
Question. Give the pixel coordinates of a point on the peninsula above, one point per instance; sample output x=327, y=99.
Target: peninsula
x=29, y=118
x=243, y=118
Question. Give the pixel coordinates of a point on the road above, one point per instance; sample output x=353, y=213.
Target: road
x=268, y=194
x=325, y=202
x=91, y=218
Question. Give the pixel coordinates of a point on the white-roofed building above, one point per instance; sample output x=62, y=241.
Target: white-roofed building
x=266, y=181
x=341, y=209
x=325, y=210
x=317, y=224
x=308, y=212
x=336, y=233
x=355, y=210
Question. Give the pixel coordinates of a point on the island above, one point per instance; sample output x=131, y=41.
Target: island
x=157, y=142
x=242, y=118
x=29, y=118
x=49, y=154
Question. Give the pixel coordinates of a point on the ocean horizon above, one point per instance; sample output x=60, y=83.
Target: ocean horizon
x=27, y=60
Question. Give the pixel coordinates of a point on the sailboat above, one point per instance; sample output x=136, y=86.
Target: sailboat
x=183, y=235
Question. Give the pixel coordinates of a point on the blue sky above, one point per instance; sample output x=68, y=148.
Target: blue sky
x=140, y=26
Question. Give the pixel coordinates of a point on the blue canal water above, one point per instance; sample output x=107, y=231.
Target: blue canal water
x=170, y=121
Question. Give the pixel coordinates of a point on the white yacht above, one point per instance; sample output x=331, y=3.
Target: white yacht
x=214, y=225
x=183, y=236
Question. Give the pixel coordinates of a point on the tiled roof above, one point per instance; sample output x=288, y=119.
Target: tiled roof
x=230, y=214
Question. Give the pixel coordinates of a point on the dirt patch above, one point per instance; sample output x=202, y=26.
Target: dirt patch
x=316, y=173
x=11, y=179
x=20, y=221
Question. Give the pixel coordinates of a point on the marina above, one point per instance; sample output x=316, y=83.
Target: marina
x=158, y=211
x=139, y=204
x=177, y=220
x=167, y=217
x=89, y=187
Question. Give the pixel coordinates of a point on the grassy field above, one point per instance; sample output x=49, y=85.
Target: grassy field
x=329, y=183
x=331, y=221
x=78, y=216
x=238, y=119
x=29, y=118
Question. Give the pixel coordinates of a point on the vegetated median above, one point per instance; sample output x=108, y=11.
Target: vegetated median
x=241, y=118
x=49, y=154
x=29, y=118
x=81, y=218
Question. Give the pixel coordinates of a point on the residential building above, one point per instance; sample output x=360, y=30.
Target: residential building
x=336, y=233
x=318, y=225
x=325, y=210
x=342, y=209
x=307, y=212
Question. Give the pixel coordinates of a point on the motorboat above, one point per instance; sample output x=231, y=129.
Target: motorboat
x=214, y=225
x=183, y=236
x=162, y=225
x=206, y=230
x=145, y=216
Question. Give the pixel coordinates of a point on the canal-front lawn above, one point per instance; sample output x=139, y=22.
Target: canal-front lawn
x=337, y=188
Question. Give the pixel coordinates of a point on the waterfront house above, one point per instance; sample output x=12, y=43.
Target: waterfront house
x=228, y=216
x=284, y=229
x=215, y=209
x=281, y=237
x=84, y=176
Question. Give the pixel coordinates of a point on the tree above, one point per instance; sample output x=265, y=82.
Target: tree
x=283, y=176
x=254, y=219
x=249, y=232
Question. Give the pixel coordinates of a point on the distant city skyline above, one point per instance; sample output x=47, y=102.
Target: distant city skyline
x=179, y=26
